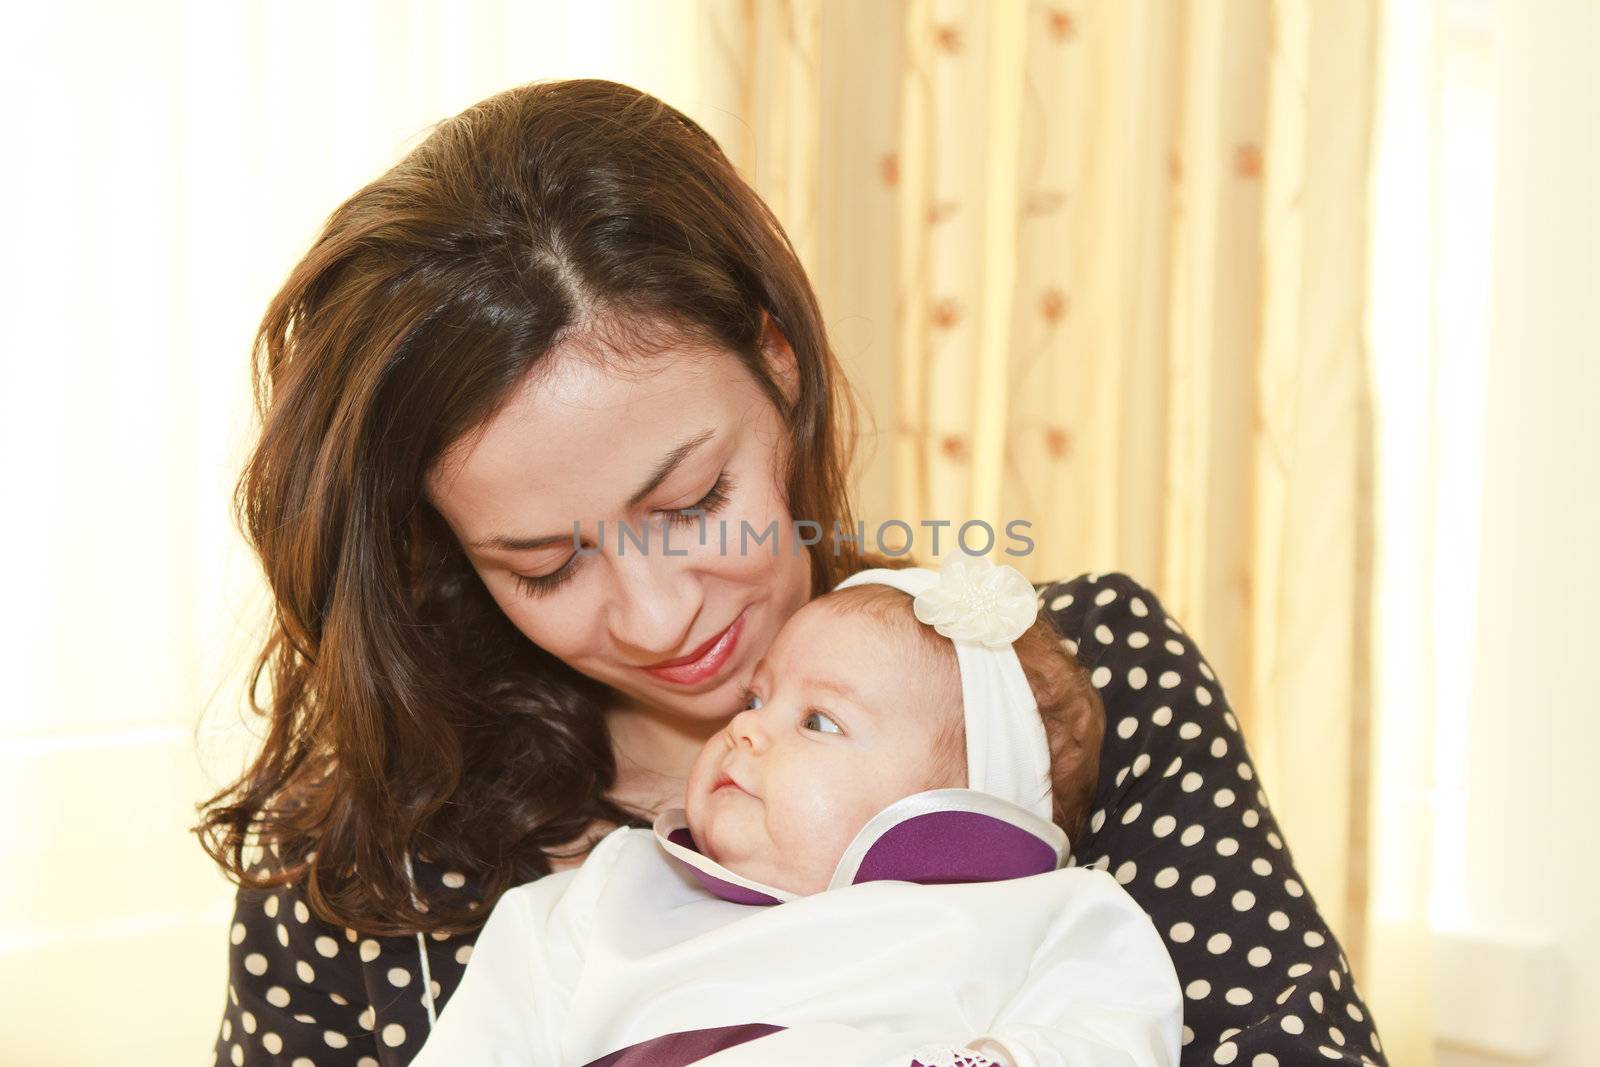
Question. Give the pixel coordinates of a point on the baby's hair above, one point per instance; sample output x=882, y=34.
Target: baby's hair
x=1074, y=718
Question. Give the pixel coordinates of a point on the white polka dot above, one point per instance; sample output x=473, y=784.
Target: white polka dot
x=1100, y=677
x=1188, y=1035
x=1245, y=772
x=1126, y=728
x=301, y=1061
x=301, y=912
x=453, y=879
x=236, y=935
x=1278, y=921
x=255, y=963
x=1182, y=933
x=1292, y=1025
x=305, y=1017
x=1250, y=817
x=1164, y=826
x=394, y=1035
x=1172, y=768
x=1132, y=813
x=435, y=988
x=283, y=935
x=1141, y=764
x=1121, y=775
x=1298, y=969
x=1102, y=864
x=350, y=935
x=1330, y=1053
x=1205, y=669
x=1338, y=1038
x=368, y=1017
x=1097, y=820
x=1166, y=878
x=1136, y=605
x=1226, y=1052
x=399, y=976
x=1198, y=989
x=278, y=997
x=1354, y=1013
x=271, y=907
x=272, y=1043
x=327, y=946
x=1174, y=646
x=1219, y=747
x=1239, y=996
x=1314, y=939
x=335, y=1039
x=1261, y=866
x=1138, y=639
x=1193, y=834
x=1102, y=633
x=366, y=1061
x=1264, y=1059
x=236, y=1054
x=1259, y=956
x=1244, y=900
x=1286, y=994
x=337, y=999
x=1202, y=696
x=1189, y=731
x=1137, y=677
x=1217, y=944
x=1333, y=976
x=1274, y=840
x=1373, y=1037
x=369, y=951
x=1293, y=887
x=1161, y=716
x=1104, y=597
x=1126, y=872
x=304, y=971
x=1191, y=782
x=1070, y=645
x=1222, y=798
x=1169, y=679
x=1172, y=625
x=227, y=1029
x=1203, y=885
x=1316, y=1000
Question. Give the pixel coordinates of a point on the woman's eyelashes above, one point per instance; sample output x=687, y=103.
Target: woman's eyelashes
x=709, y=504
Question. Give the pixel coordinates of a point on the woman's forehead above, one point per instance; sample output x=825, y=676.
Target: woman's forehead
x=583, y=432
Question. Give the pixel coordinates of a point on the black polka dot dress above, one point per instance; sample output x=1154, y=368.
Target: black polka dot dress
x=305, y=993
x=1179, y=819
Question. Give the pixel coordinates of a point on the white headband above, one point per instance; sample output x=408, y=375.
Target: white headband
x=982, y=608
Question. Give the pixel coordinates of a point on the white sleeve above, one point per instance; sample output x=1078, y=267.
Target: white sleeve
x=512, y=1001
x=1101, y=990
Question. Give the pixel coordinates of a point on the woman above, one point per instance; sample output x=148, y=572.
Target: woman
x=541, y=408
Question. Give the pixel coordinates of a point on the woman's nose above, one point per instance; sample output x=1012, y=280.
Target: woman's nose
x=654, y=607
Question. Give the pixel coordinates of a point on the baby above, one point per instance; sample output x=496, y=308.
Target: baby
x=867, y=869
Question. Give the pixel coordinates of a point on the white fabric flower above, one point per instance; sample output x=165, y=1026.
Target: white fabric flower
x=977, y=600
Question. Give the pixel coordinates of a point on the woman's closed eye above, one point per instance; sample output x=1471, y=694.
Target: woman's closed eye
x=709, y=504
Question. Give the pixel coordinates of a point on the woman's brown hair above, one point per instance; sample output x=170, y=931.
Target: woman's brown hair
x=405, y=713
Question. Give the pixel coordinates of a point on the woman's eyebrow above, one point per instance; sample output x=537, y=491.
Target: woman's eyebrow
x=664, y=469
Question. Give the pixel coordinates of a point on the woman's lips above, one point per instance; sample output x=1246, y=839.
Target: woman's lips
x=705, y=661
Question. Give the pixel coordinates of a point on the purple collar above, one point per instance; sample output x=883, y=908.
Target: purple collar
x=932, y=838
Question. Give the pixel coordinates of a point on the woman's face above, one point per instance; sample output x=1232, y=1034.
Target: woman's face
x=676, y=625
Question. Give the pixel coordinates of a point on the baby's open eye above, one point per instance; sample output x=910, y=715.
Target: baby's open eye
x=818, y=717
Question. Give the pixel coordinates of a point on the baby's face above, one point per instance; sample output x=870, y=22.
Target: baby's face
x=843, y=719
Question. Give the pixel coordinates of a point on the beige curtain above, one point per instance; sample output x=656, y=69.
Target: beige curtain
x=1102, y=266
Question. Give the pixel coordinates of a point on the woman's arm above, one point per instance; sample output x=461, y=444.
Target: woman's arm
x=1181, y=821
